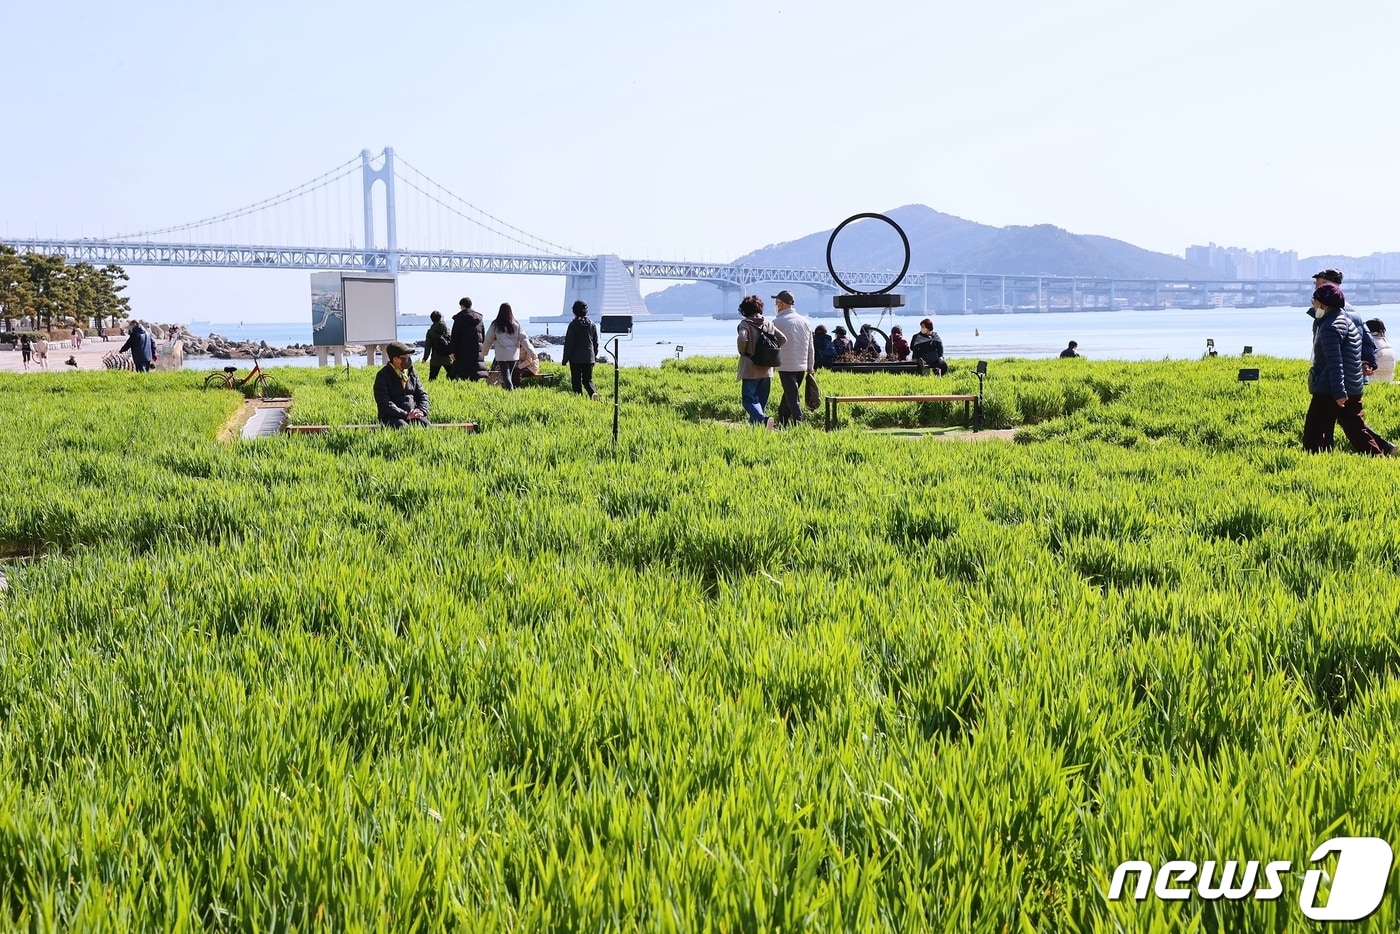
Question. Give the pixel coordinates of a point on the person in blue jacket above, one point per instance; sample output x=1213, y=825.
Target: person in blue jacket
x=142, y=347
x=1336, y=380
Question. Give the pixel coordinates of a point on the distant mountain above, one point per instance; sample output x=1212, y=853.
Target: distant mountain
x=1375, y=266
x=1044, y=250
x=943, y=243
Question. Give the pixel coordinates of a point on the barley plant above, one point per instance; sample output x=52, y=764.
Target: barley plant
x=710, y=679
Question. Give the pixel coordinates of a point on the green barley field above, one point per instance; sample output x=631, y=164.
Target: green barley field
x=713, y=679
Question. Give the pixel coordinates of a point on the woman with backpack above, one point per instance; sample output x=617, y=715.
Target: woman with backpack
x=506, y=335
x=581, y=349
x=758, y=354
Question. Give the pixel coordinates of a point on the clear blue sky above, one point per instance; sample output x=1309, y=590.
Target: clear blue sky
x=705, y=130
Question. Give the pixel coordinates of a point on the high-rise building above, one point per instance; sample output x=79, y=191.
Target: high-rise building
x=1231, y=262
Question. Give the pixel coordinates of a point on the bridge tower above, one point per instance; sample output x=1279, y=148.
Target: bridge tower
x=385, y=174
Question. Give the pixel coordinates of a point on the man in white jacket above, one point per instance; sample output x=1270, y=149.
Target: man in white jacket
x=796, y=358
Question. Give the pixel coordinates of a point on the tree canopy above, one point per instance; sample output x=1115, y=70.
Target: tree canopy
x=46, y=290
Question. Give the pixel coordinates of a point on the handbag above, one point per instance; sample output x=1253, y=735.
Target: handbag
x=813, y=393
x=529, y=361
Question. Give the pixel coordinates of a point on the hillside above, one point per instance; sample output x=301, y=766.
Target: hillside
x=1044, y=250
x=943, y=243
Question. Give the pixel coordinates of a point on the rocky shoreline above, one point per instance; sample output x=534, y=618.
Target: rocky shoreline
x=222, y=348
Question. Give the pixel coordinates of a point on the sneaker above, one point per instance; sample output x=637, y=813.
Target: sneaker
x=595, y=397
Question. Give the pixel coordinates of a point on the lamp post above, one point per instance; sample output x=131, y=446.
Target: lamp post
x=619, y=326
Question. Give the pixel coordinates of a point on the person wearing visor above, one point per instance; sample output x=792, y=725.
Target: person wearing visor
x=398, y=393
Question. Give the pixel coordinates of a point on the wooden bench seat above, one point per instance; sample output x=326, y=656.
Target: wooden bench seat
x=317, y=429
x=972, y=404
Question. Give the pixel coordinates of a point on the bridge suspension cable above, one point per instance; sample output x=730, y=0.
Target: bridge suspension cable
x=531, y=241
x=320, y=181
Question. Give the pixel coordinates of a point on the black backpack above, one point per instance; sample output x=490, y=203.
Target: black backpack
x=764, y=351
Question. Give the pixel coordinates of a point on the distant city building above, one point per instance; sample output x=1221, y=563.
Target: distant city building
x=1236, y=263
x=1375, y=266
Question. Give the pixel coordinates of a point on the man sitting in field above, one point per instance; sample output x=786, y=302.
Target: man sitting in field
x=397, y=390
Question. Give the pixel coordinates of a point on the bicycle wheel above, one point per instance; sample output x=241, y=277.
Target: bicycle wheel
x=257, y=386
x=216, y=381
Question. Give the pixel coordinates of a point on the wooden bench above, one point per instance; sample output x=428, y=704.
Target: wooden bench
x=972, y=405
x=317, y=429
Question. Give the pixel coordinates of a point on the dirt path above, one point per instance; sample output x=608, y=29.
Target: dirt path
x=89, y=357
x=229, y=430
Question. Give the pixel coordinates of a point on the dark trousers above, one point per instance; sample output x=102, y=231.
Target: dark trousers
x=790, y=408
x=507, y=370
x=1324, y=415
x=434, y=366
x=582, y=376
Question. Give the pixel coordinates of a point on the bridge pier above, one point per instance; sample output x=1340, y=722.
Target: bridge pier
x=322, y=353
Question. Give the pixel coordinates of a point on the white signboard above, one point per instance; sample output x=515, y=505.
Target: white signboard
x=371, y=308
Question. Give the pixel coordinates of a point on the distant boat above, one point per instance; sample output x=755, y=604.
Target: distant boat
x=413, y=321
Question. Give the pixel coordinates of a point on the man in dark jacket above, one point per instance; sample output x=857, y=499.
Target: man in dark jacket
x=581, y=349
x=142, y=347
x=468, y=334
x=397, y=392
x=437, y=347
x=1335, y=380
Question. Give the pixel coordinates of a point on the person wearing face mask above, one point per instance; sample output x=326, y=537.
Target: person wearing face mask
x=1336, y=380
x=398, y=393
x=1385, y=354
x=1368, y=345
x=1370, y=349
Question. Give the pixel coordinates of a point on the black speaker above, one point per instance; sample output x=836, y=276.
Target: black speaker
x=616, y=324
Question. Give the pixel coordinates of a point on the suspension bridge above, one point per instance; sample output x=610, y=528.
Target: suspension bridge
x=328, y=210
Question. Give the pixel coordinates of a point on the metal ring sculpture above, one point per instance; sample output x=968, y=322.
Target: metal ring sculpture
x=846, y=309
x=842, y=226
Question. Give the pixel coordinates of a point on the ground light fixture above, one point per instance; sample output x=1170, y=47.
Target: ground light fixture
x=620, y=326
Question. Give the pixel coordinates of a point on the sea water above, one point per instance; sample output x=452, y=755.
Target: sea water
x=1176, y=334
